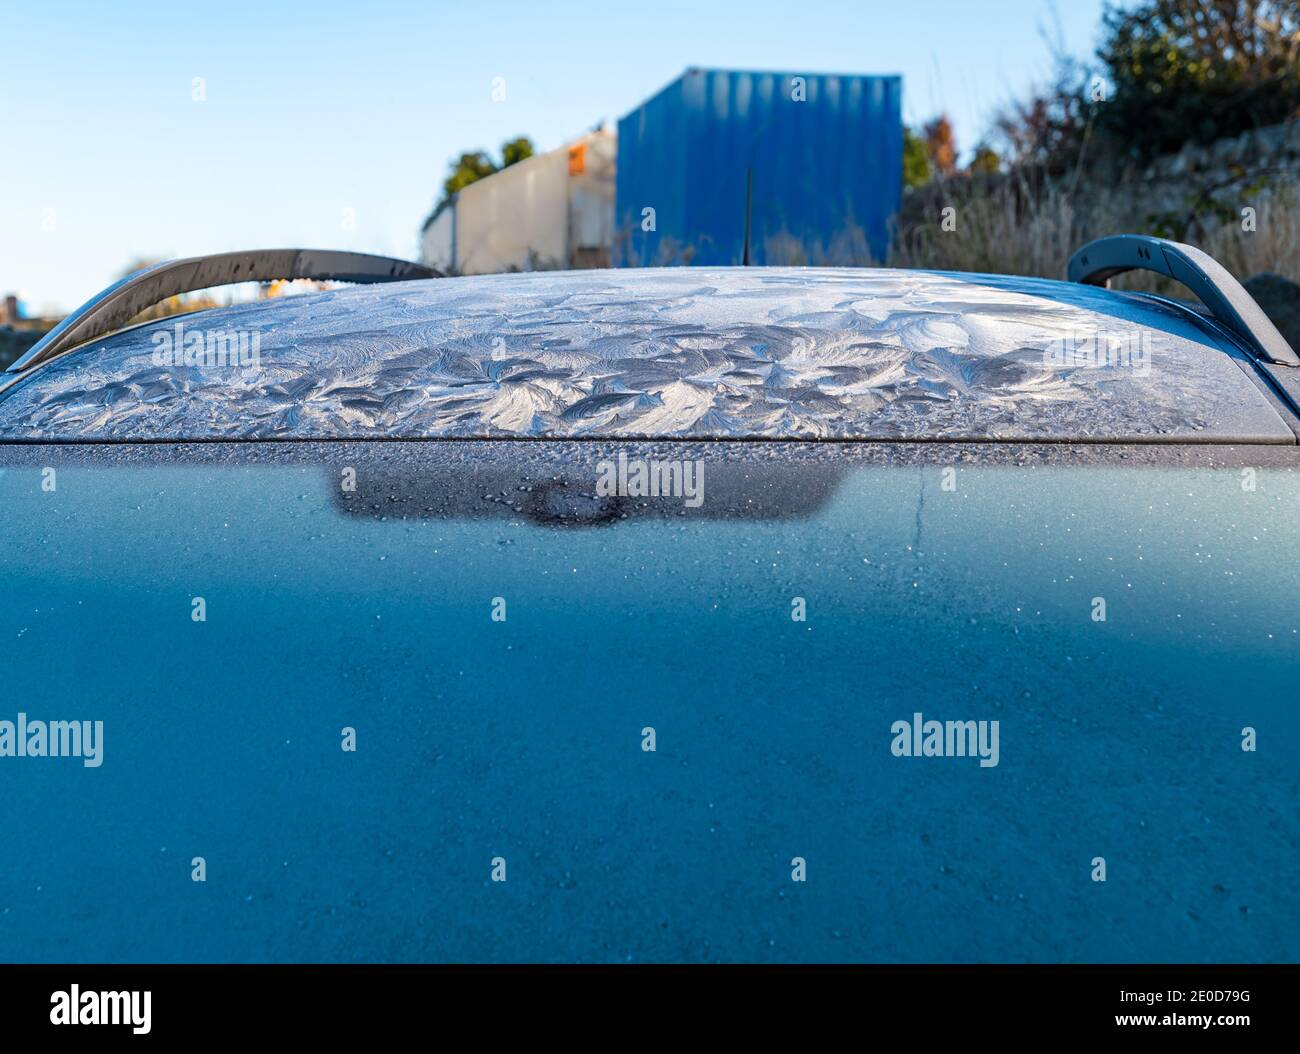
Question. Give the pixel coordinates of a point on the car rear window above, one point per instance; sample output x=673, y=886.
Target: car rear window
x=499, y=649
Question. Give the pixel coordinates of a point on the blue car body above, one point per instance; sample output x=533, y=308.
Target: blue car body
x=449, y=701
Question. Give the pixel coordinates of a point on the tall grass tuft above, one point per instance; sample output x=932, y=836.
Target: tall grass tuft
x=1010, y=227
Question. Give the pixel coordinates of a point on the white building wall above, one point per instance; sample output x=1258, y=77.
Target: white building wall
x=516, y=219
x=554, y=210
x=437, y=243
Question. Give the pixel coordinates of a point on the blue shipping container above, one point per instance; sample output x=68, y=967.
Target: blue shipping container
x=815, y=160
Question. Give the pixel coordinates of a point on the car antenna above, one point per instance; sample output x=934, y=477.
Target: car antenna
x=749, y=209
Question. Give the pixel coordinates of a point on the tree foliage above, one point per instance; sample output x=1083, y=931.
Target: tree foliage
x=916, y=160
x=518, y=149
x=1168, y=72
x=941, y=145
x=468, y=168
x=985, y=160
x=1198, y=70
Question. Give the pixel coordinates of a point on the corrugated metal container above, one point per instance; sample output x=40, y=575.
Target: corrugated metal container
x=554, y=210
x=814, y=161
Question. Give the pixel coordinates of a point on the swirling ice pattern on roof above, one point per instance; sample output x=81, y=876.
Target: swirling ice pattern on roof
x=701, y=353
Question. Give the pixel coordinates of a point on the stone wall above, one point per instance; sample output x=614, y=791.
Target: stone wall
x=1224, y=173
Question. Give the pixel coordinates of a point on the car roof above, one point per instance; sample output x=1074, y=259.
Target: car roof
x=762, y=353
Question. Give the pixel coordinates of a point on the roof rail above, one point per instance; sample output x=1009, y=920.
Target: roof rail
x=112, y=308
x=1097, y=262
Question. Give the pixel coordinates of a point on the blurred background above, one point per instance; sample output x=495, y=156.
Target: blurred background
x=505, y=137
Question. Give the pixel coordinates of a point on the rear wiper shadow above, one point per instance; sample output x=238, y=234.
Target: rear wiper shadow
x=590, y=485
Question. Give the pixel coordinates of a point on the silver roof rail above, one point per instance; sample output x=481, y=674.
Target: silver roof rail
x=1098, y=262
x=112, y=308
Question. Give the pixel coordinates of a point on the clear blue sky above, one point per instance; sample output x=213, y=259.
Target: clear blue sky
x=317, y=108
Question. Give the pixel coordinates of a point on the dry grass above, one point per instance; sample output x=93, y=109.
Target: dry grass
x=1001, y=230
x=1273, y=246
x=848, y=248
x=1008, y=230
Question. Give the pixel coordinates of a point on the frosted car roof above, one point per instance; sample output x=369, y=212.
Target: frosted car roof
x=777, y=353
